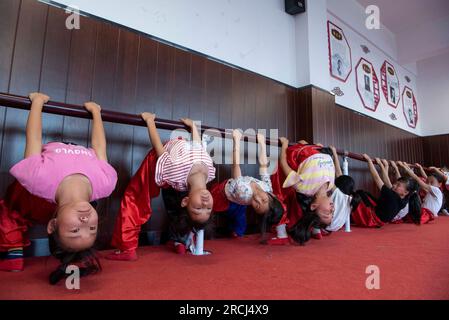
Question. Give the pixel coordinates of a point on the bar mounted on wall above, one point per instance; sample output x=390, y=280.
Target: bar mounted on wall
x=70, y=110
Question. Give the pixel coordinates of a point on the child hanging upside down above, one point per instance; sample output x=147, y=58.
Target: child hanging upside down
x=234, y=195
x=344, y=198
x=179, y=164
x=56, y=183
x=304, y=184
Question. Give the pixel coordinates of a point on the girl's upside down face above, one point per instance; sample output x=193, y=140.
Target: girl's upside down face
x=199, y=204
x=323, y=206
x=76, y=226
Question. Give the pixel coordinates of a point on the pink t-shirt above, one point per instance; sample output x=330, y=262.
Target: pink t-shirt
x=42, y=174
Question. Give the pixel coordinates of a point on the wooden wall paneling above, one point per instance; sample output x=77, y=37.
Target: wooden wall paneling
x=225, y=112
x=55, y=70
x=238, y=99
x=289, y=114
x=305, y=117
x=145, y=97
x=249, y=123
x=262, y=105
x=182, y=93
x=197, y=88
x=103, y=83
x=25, y=78
x=80, y=79
x=212, y=99
x=9, y=14
x=124, y=100
x=164, y=81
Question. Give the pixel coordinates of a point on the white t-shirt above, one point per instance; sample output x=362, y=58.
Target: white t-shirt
x=433, y=200
x=342, y=204
x=401, y=214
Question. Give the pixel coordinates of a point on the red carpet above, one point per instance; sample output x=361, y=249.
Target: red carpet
x=413, y=262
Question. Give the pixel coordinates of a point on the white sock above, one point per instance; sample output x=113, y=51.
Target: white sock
x=281, y=231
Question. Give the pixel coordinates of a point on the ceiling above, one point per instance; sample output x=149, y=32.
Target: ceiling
x=421, y=27
x=401, y=15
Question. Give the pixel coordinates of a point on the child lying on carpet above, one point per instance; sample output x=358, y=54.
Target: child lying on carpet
x=431, y=186
x=393, y=198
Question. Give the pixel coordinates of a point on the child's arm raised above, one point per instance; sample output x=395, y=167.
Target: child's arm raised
x=283, y=157
x=236, y=137
x=195, y=134
x=440, y=173
x=34, y=124
x=338, y=172
x=98, y=137
x=373, y=171
x=263, y=160
x=410, y=172
x=153, y=133
x=397, y=173
x=421, y=170
x=384, y=166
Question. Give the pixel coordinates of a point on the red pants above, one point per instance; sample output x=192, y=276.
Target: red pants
x=135, y=207
x=426, y=217
x=287, y=196
x=18, y=211
x=365, y=216
x=221, y=203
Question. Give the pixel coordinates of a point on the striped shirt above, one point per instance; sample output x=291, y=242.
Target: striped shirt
x=174, y=165
x=312, y=173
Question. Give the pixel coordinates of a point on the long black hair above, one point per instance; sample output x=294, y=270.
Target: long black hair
x=272, y=217
x=346, y=185
x=87, y=259
x=301, y=232
x=179, y=219
x=413, y=200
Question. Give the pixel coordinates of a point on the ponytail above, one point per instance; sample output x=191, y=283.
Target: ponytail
x=180, y=223
x=301, y=232
x=414, y=202
x=414, y=207
x=86, y=260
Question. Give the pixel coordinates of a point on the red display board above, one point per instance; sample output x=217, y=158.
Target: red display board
x=390, y=84
x=367, y=84
x=340, y=56
x=410, y=107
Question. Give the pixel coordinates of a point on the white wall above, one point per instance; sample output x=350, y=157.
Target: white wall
x=354, y=14
x=259, y=36
x=433, y=85
x=253, y=34
x=350, y=16
x=311, y=45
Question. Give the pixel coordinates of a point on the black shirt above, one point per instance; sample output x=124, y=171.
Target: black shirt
x=389, y=204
